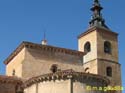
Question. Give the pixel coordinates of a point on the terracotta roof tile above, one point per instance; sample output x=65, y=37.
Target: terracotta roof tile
x=65, y=74
x=42, y=47
x=10, y=79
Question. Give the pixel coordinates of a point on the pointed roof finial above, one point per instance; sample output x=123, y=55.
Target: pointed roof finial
x=44, y=41
x=96, y=1
x=97, y=19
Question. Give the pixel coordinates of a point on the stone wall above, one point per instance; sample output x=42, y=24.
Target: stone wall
x=33, y=61
x=115, y=79
x=9, y=84
x=39, y=62
x=7, y=88
x=16, y=64
x=97, y=60
x=58, y=86
x=66, y=82
x=92, y=38
x=91, y=66
x=103, y=36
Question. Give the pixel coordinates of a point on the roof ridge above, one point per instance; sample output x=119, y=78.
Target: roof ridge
x=42, y=47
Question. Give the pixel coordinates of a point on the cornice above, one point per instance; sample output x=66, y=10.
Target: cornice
x=42, y=48
x=65, y=75
x=96, y=28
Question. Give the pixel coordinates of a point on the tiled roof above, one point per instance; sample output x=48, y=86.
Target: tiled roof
x=42, y=47
x=10, y=79
x=66, y=74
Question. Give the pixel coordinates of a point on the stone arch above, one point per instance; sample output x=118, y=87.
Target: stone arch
x=109, y=71
x=107, y=47
x=87, y=47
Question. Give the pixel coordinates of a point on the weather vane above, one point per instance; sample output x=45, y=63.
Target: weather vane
x=44, y=41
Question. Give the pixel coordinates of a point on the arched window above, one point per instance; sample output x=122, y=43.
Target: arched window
x=54, y=68
x=87, y=70
x=87, y=47
x=13, y=73
x=107, y=47
x=109, y=71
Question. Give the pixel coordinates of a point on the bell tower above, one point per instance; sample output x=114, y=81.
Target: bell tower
x=101, y=47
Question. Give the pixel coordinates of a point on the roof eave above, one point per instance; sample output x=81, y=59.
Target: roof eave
x=14, y=53
x=39, y=46
x=95, y=28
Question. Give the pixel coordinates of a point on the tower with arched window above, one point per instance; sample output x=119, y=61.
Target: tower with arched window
x=43, y=68
x=100, y=44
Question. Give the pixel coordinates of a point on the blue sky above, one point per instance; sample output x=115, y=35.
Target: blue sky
x=63, y=20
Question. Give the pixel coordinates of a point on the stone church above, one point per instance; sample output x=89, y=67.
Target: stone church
x=42, y=68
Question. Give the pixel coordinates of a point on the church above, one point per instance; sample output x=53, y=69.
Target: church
x=42, y=68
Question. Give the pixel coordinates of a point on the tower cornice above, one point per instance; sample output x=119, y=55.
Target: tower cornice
x=97, y=29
